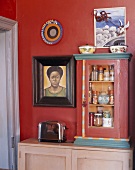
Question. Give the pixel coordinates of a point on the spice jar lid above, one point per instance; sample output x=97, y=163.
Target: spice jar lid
x=94, y=92
x=100, y=68
x=111, y=67
x=91, y=112
x=106, y=111
x=94, y=67
x=111, y=91
x=98, y=114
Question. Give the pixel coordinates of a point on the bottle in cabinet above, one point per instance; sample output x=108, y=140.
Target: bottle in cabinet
x=106, y=75
x=111, y=77
x=111, y=97
x=100, y=73
x=94, y=73
x=91, y=119
x=98, y=119
x=95, y=97
x=90, y=92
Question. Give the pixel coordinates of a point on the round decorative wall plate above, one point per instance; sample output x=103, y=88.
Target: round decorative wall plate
x=51, y=32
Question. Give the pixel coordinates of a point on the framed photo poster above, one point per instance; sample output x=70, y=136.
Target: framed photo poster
x=54, y=81
x=109, y=26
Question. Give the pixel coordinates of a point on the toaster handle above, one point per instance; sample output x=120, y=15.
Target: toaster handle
x=59, y=131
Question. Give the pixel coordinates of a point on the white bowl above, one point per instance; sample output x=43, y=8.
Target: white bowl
x=86, y=49
x=118, y=49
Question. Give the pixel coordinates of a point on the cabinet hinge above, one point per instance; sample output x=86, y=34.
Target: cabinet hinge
x=12, y=142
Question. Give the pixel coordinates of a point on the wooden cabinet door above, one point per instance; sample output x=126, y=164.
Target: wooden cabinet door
x=95, y=160
x=119, y=111
x=43, y=158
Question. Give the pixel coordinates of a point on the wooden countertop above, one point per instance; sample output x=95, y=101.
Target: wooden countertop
x=68, y=145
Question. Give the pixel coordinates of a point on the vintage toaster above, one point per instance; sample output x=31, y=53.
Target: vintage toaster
x=51, y=131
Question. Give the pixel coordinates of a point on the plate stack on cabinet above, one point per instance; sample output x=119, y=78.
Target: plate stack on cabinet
x=102, y=119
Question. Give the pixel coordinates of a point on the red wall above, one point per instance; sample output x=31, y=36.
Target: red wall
x=8, y=9
x=77, y=21
x=76, y=18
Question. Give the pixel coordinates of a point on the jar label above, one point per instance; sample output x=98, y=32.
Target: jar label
x=107, y=122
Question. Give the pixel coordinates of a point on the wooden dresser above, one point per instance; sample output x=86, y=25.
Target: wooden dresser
x=34, y=155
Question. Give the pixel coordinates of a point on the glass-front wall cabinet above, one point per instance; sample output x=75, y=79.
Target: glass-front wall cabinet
x=104, y=95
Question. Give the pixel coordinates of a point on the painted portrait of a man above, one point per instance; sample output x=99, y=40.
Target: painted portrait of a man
x=55, y=81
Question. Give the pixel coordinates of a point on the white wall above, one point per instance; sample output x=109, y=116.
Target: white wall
x=9, y=96
x=4, y=159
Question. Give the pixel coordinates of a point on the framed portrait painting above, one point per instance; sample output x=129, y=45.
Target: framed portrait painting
x=54, y=81
x=110, y=27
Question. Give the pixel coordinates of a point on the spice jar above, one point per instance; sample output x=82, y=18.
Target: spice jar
x=107, y=119
x=91, y=118
x=94, y=74
x=106, y=75
x=106, y=114
x=100, y=73
x=95, y=98
x=111, y=77
x=107, y=122
x=98, y=119
x=103, y=98
x=111, y=97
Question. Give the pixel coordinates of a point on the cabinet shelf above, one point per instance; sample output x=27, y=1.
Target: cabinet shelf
x=105, y=105
x=101, y=127
x=101, y=81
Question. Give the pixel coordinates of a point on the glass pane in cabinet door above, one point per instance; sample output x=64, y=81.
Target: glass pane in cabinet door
x=101, y=96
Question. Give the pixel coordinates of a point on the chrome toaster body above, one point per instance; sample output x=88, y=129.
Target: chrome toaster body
x=51, y=131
